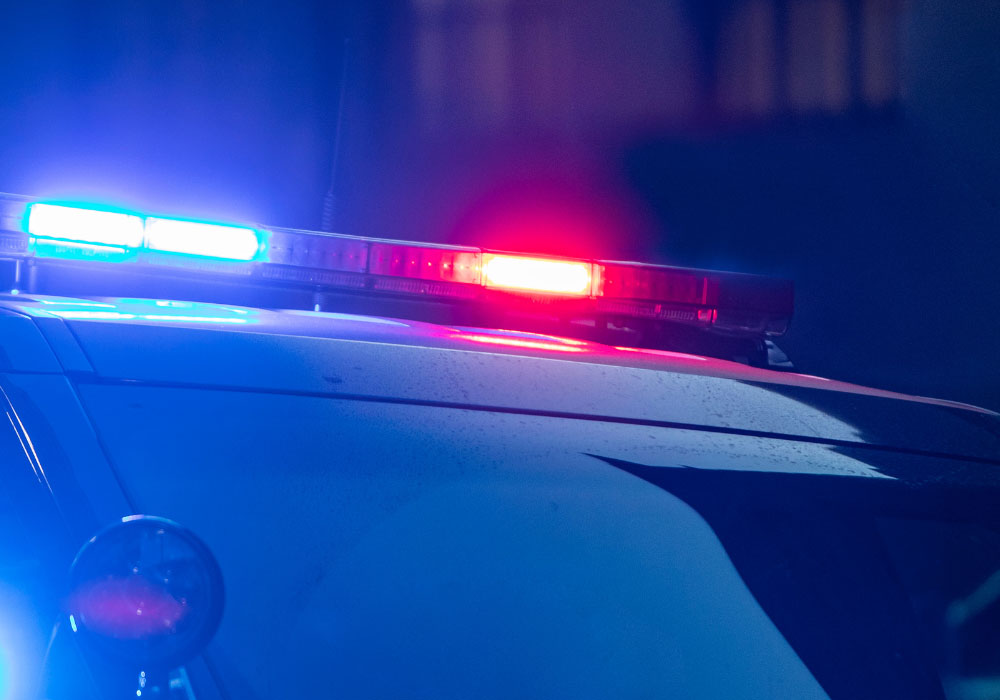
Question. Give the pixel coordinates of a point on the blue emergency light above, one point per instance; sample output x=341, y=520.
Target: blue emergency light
x=64, y=231
x=84, y=226
x=201, y=239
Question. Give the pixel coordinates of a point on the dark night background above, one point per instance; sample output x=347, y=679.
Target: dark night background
x=852, y=145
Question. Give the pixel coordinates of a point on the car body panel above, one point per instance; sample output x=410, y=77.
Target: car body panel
x=23, y=347
x=60, y=438
x=384, y=359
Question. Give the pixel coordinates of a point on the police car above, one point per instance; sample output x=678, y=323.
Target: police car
x=265, y=463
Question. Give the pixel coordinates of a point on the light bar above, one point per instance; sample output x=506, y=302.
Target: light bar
x=201, y=239
x=597, y=294
x=80, y=225
x=518, y=273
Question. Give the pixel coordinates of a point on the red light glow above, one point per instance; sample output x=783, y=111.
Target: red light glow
x=520, y=342
x=571, y=277
x=662, y=353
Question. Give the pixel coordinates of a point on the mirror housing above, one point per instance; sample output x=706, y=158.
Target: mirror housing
x=145, y=591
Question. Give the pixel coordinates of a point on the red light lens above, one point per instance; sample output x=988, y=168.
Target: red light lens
x=514, y=272
x=436, y=264
x=654, y=284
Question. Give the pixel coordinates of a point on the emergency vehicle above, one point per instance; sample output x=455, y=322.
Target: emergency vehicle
x=248, y=462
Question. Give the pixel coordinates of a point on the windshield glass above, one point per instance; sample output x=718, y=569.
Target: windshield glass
x=373, y=549
x=951, y=572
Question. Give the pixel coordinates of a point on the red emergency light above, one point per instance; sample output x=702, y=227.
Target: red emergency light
x=538, y=275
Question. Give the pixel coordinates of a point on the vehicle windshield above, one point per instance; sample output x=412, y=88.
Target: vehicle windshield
x=951, y=572
x=373, y=549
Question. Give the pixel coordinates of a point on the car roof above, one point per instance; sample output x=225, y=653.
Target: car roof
x=376, y=358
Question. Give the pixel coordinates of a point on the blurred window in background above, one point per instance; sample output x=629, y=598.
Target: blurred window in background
x=555, y=66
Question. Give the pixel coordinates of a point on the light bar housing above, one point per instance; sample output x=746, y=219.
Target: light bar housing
x=575, y=291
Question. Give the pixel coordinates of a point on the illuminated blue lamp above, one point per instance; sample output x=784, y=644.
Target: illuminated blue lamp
x=76, y=225
x=201, y=239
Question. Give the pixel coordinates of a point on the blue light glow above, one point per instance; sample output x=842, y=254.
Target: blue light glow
x=4, y=676
x=201, y=239
x=170, y=318
x=73, y=250
x=67, y=302
x=72, y=622
x=93, y=315
x=86, y=315
x=22, y=644
x=81, y=225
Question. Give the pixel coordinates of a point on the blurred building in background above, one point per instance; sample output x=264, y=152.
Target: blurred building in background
x=576, y=68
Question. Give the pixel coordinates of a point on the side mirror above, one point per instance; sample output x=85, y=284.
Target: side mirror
x=145, y=592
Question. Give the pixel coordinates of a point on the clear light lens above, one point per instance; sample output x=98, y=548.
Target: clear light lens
x=537, y=274
x=85, y=225
x=320, y=252
x=201, y=239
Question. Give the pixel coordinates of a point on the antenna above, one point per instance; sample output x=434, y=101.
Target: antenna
x=330, y=212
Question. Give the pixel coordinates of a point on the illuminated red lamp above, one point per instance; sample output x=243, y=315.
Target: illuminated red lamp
x=543, y=275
